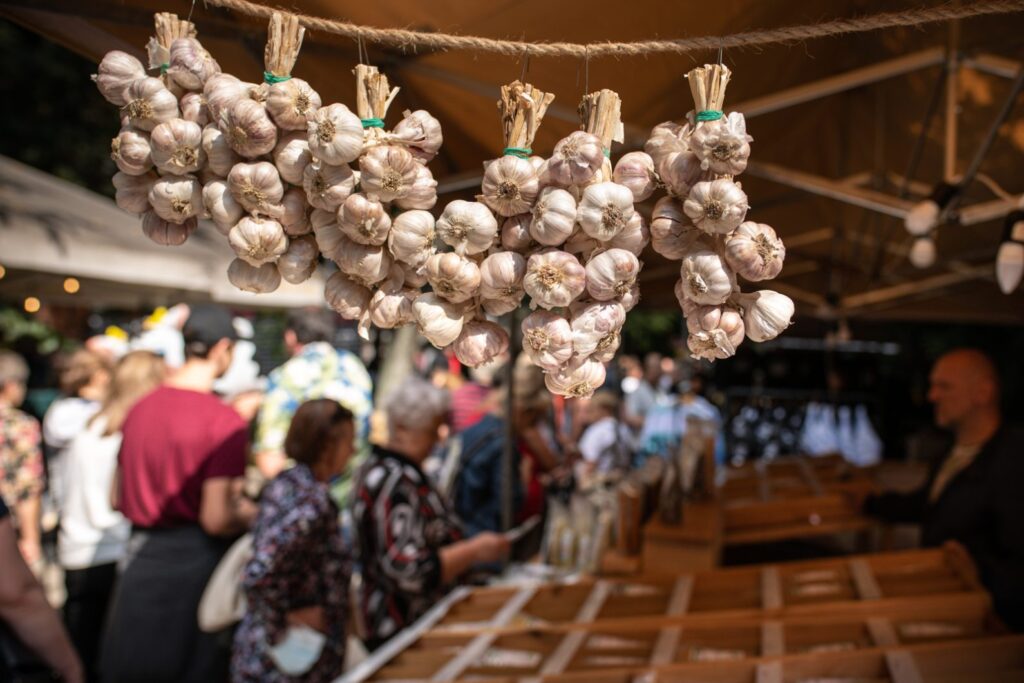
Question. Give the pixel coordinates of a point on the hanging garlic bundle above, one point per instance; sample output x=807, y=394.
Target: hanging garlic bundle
x=298, y=263
x=149, y=103
x=554, y=217
x=177, y=147
x=480, y=342
x=364, y=220
x=255, y=186
x=335, y=135
x=258, y=240
x=176, y=198
x=363, y=263
x=438, y=320
x=716, y=206
x=452, y=276
x=167, y=233
x=765, y=314
x=116, y=72
x=289, y=101
x=714, y=332
x=594, y=325
x=326, y=185
x=755, y=252
x=292, y=156
x=611, y=274
x=672, y=233
x=554, y=278
x=420, y=133
x=411, y=238
x=576, y=159
x=256, y=279
x=468, y=227
x=132, y=191
x=293, y=212
x=579, y=378
x=131, y=151
x=220, y=158
x=636, y=171
x=547, y=340
x=706, y=278
x=347, y=298
x=222, y=207
x=501, y=281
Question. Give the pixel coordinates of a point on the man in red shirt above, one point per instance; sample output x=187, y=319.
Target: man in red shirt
x=182, y=458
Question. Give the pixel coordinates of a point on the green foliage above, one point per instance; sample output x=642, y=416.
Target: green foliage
x=15, y=327
x=647, y=331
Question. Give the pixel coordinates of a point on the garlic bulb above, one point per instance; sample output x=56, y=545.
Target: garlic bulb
x=604, y=210
x=593, y=322
x=290, y=103
x=452, y=276
x=422, y=194
x=554, y=216
x=468, y=227
x=685, y=304
x=411, y=239
x=329, y=238
x=583, y=245
x=190, y=64
x=515, y=232
x=420, y=133
x=666, y=138
x=193, y=109
x=510, y=185
x=255, y=186
x=722, y=146
x=607, y=348
x=498, y=307
x=176, y=198
x=222, y=207
x=293, y=213
x=363, y=263
x=148, y=103
x=221, y=92
x=611, y=274
x=706, y=279
x=633, y=238
x=248, y=129
x=387, y=172
x=635, y=170
x=116, y=72
x=717, y=206
x=347, y=298
x=292, y=156
x=501, y=277
x=177, y=147
x=328, y=186
x=715, y=332
x=257, y=279
x=392, y=307
x=132, y=191
x=630, y=299
x=298, y=263
x=766, y=314
x=166, y=233
x=672, y=234
x=258, y=240
x=364, y=220
x=554, y=278
x=755, y=252
x=580, y=378
x=335, y=134
x=131, y=151
x=438, y=320
x=575, y=159
x=414, y=277
x=679, y=172
x=547, y=340
x=480, y=342
x=220, y=158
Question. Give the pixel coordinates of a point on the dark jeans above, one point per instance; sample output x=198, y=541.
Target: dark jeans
x=85, y=610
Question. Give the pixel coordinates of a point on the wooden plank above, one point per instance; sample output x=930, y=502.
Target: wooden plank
x=807, y=472
x=773, y=639
x=570, y=644
x=769, y=672
x=764, y=487
x=679, y=602
x=771, y=589
x=902, y=667
x=667, y=644
x=864, y=580
x=882, y=632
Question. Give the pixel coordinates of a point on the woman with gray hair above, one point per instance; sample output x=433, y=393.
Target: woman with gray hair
x=410, y=544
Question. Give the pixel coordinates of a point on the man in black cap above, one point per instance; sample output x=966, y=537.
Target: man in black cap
x=182, y=457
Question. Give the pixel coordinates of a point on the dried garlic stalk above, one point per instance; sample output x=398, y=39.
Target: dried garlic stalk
x=373, y=97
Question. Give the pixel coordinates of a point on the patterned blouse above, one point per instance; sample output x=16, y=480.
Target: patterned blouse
x=299, y=560
x=401, y=523
x=21, y=457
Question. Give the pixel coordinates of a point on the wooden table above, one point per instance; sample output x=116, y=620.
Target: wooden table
x=694, y=545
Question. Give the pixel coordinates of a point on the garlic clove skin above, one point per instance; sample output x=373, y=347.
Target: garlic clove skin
x=256, y=186
x=480, y=342
x=717, y=207
x=672, y=234
x=392, y=308
x=411, y=239
x=116, y=72
x=258, y=240
x=221, y=92
x=335, y=135
x=715, y=332
x=592, y=323
x=190, y=65
x=387, y=172
x=177, y=147
x=611, y=274
x=364, y=220
x=755, y=252
x=132, y=192
x=635, y=170
x=665, y=139
x=329, y=238
x=421, y=134
x=453, y=277
x=413, y=276
x=256, y=279
x=176, y=198
x=422, y=194
x=438, y=320
x=766, y=314
x=327, y=186
x=582, y=245
x=248, y=129
x=131, y=151
x=510, y=186
x=604, y=210
x=501, y=277
x=499, y=307
x=166, y=233
x=580, y=378
x=298, y=263
x=607, y=348
x=291, y=103
x=706, y=278
x=515, y=232
x=722, y=146
x=220, y=158
x=554, y=217
x=547, y=340
x=710, y=345
x=292, y=156
x=221, y=206
x=575, y=159
x=634, y=238
x=148, y=103
x=468, y=227
x=554, y=278
x=348, y=299
x=193, y=109
x=363, y=263
x=680, y=171
x=293, y=213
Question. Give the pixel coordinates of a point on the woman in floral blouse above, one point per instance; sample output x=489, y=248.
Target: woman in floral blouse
x=300, y=570
x=410, y=544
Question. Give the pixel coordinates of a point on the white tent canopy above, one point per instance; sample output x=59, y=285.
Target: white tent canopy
x=49, y=225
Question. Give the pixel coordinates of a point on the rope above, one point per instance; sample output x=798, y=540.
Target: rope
x=405, y=39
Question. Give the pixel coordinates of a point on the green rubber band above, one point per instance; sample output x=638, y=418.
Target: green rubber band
x=709, y=115
x=521, y=152
x=272, y=79
x=607, y=153
x=373, y=123
x=164, y=67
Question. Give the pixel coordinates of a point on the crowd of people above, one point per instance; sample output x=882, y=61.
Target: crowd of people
x=154, y=472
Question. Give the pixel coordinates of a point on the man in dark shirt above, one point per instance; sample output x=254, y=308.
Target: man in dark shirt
x=974, y=496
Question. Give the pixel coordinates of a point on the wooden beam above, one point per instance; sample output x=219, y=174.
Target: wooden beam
x=771, y=589
x=987, y=211
x=570, y=644
x=667, y=644
x=810, y=237
x=864, y=580
x=902, y=667
x=769, y=672
x=882, y=632
x=773, y=639
x=952, y=93
x=993, y=64
x=877, y=296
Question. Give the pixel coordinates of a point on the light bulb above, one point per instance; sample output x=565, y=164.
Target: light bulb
x=922, y=253
x=1009, y=266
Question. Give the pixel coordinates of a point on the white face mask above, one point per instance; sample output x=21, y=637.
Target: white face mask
x=630, y=384
x=298, y=651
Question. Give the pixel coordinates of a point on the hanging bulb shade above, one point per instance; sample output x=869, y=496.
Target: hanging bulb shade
x=922, y=252
x=1010, y=257
x=924, y=217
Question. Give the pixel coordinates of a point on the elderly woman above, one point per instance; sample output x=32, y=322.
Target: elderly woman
x=410, y=544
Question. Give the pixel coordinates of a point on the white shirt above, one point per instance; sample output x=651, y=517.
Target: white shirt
x=66, y=419
x=91, y=532
x=598, y=442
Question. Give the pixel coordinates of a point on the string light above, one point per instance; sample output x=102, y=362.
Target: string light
x=3, y=272
x=72, y=285
x=32, y=305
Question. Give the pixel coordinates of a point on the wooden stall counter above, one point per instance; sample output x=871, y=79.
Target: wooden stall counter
x=694, y=545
